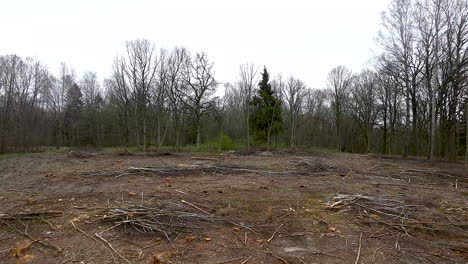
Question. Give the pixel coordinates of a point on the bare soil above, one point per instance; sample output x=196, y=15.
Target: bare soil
x=269, y=208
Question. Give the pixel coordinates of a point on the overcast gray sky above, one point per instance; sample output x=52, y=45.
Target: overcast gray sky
x=303, y=38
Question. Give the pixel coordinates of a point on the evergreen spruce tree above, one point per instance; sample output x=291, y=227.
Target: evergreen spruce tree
x=266, y=119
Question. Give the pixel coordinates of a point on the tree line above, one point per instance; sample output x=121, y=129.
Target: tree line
x=413, y=100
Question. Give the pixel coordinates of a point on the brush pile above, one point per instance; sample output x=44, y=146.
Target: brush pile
x=166, y=219
x=384, y=206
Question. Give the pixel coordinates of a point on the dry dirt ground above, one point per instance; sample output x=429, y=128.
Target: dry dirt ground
x=238, y=207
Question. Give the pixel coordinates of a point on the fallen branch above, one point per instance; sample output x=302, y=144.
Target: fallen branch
x=230, y=260
x=196, y=207
x=359, y=250
x=202, y=158
x=279, y=258
x=112, y=248
x=274, y=233
x=90, y=237
x=31, y=215
x=57, y=249
x=349, y=173
x=246, y=260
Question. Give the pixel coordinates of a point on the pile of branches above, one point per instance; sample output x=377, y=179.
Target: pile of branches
x=166, y=219
x=190, y=169
x=145, y=154
x=383, y=206
x=205, y=168
x=80, y=154
x=312, y=164
x=31, y=215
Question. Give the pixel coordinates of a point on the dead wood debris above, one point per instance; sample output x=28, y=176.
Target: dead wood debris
x=202, y=158
x=144, y=154
x=393, y=213
x=31, y=215
x=188, y=169
x=33, y=240
x=80, y=154
x=314, y=164
x=208, y=168
x=385, y=206
x=168, y=218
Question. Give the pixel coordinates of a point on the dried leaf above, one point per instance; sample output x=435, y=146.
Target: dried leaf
x=208, y=239
x=190, y=238
x=19, y=250
x=261, y=241
x=27, y=258
x=161, y=258
x=132, y=193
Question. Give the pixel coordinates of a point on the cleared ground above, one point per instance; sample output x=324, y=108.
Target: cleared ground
x=239, y=207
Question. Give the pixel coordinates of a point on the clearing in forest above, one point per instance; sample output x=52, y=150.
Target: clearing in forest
x=236, y=207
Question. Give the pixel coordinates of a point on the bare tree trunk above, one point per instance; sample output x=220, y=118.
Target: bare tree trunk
x=407, y=126
x=435, y=82
x=248, y=126
x=160, y=143
x=198, y=135
x=159, y=133
x=368, y=137
x=177, y=140
x=144, y=133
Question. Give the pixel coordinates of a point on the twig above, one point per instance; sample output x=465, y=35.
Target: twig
x=112, y=248
x=230, y=260
x=279, y=258
x=152, y=245
x=168, y=239
x=83, y=232
x=59, y=250
x=247, y=260
x=179, y=191
x=359, y=250
x=74, y=257
x=433, y=254
x=196, y=207
x=90, y=237
x=349, y=173
x=274, y=233
x=203, y=158
x=49, y=223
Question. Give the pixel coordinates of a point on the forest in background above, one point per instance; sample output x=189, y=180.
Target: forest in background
x=412, y=101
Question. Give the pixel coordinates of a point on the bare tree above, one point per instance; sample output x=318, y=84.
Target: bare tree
x=429, y=25
x=141, y=65
x=247, y=82
x=293, y=94
x=364, y=103
x=178, y=63
x=121, y=97
x=200, y=82
x=315, y=115
x=92, y=103
x=398, y=44
x=159, y=96
x=339, y=83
